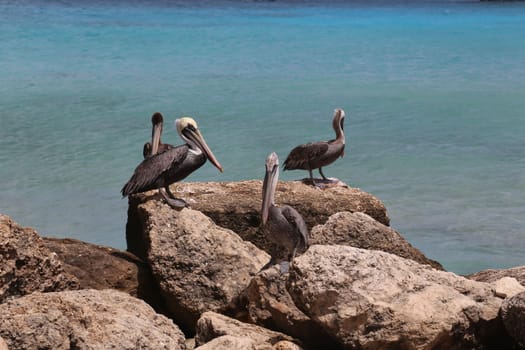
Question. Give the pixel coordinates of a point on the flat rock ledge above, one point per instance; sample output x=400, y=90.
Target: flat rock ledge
x=374, y=300
x=237, y=206
x=213, y=327
x=26, y=265
x=86, y=319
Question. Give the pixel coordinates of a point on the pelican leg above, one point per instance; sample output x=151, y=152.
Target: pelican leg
x=321, y=172
x=325, y=179
x=293, y=255
x=311, y=180
x=175, y=203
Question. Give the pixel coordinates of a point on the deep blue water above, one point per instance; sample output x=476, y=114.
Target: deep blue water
x=434, y=94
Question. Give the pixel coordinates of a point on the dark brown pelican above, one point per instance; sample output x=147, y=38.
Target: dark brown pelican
x=315, y=155
x=163, y=169
x=156, y=145
x=282, y=225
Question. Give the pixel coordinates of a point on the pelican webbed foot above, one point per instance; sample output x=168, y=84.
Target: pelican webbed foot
x=175, y=203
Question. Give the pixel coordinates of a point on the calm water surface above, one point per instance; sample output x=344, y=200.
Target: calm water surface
x=434, y=94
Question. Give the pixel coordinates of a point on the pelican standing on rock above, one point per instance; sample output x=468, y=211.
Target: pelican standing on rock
x=315, y=155
x=282, y=225
x=162, y=169
x=156, y=145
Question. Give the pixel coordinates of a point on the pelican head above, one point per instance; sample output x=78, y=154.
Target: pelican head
x=339, y=118
x=269, y=184
x=337, y=123
x=156, y=131
x=189, y=132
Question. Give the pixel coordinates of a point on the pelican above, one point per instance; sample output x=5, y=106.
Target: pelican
x=162, y=169
x=282, y=225
x=316, y=155
x=156, y=145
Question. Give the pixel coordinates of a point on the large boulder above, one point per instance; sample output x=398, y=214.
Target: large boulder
x=362, y=231
x=114, y=269
x=237, y=206
x=212, y=325
x=513, y=316
x=198, y=265
x=268, y=304
x=375, y=300
x=493, y=275
x=85, y=319
x=26, y=265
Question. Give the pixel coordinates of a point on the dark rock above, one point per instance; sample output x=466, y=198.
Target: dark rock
x=98, y=267
x=513, y=316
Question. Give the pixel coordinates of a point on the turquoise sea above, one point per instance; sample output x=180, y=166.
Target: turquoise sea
x=434, y=94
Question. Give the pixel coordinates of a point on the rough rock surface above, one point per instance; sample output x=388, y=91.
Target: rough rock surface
x=506, y=287
x=237, y=206
x=493, y=275
x=198, y=265
x=269, y=304
x=513, y=315
x=212, y=325
x=375, y=300
x=85, y=319
x=114, y=269
x=26, y=265
x=361, y=231
x=229, y=342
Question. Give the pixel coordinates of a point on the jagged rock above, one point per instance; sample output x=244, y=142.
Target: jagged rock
x=114, y=269
x=493, y=275
x=85, y=319
x=361, y=231
x=375, y=300
x=269, y=304
x=212, y=325
x=237, y=205
x=26, y=265
x=199, y=266
x=513, y=315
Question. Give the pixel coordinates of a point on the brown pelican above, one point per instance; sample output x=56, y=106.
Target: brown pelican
x=282, y=225
x=163, y=169
x=315, y=155
x=156, y=145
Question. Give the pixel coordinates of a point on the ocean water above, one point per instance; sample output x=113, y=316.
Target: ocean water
x=434, y=94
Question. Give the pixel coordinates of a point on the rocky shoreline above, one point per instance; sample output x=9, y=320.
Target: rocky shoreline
x=193, y=279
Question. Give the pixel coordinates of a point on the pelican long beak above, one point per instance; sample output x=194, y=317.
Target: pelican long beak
x=196, y=136
x=269, y=184
x=155, y=138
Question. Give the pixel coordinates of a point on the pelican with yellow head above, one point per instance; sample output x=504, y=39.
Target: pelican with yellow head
x=163, y=169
